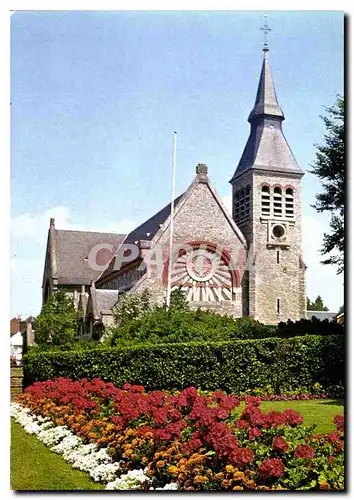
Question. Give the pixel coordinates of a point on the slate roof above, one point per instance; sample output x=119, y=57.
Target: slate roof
x=72, y=249
x=267, y=148
x=105, y=300
x=321, y=315
x=266, y=99
x=146, y=231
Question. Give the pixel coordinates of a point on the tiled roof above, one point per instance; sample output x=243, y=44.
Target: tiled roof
x=146, y=231
x=105, y=300
x=72, y=249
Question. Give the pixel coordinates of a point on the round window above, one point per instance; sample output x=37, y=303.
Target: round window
x=278, y=231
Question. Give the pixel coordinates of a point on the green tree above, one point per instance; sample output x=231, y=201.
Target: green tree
x=329, y=167
x=317, y=305
x=131, y=307
x=57, y=323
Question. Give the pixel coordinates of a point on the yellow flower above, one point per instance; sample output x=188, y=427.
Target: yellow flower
x=200, y=479
x=127, y=453
x=219, y=475
x=229, y=468
x=235, y=488
x=172, y=469
x=239, y=476
x=225, y=483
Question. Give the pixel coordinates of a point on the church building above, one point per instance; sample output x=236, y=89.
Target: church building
x=248, y=263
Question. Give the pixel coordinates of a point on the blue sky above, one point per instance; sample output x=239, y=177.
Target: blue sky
x=96, y=97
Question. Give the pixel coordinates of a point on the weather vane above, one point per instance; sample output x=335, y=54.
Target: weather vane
x=266, y=29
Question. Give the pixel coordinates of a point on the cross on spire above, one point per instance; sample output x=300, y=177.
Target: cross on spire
x=266, y=29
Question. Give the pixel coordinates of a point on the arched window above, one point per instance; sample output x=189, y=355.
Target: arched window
x=289, y=202
x=277, y=202
x=265, y=200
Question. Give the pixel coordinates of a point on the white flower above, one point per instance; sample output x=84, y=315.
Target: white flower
x=170, y=486
x=130, y=481
x=86, y=457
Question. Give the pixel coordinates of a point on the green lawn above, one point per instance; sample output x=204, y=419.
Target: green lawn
x=35, y=467
x=317, y=411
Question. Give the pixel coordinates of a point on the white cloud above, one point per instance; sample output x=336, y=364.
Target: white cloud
x=320, y=279
x=29, y=226
x=28, y=243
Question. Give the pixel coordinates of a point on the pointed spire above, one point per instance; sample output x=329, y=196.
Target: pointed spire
x=266, y=148
x=266, y=100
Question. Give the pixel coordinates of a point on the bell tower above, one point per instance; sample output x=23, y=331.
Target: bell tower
x=266, y=206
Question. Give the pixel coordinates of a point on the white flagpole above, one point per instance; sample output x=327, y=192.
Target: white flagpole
x=171, y=223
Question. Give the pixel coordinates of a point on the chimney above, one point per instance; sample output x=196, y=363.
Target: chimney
x=202, y=172
x=52, y=223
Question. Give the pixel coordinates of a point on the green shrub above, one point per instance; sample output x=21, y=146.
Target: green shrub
x=137, y=322
x=283, y=364
x=57, y=323
x=163, y=326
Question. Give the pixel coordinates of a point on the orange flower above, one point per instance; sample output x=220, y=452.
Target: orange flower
x=325, y=486
x=225, y=483
x=239, y=476
x=235, y=488
x=200, y=479
x=160, y=464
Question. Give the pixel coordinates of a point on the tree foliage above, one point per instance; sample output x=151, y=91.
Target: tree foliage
x=329, y=167
x=317, y=305
x=57, y=323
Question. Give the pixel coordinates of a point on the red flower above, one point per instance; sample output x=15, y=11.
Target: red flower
x=253, y=433
x=339, y=422
x=293, y=418
x=304, y=451
x=241, y=456
x=271, y=467
x=242, y=424
x=279, y=444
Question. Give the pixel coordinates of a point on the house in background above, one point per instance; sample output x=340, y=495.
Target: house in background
x=17, y=326
x=21, y=336
x=321, y=315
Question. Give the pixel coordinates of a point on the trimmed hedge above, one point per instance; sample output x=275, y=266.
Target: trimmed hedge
x=285, y=364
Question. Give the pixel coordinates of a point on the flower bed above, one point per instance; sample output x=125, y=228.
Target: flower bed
x=131, y=439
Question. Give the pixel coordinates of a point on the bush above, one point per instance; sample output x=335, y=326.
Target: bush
x=57, y=322
x=313, y=326
x=137, y=322
x=284, y=364
x=163, y=326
